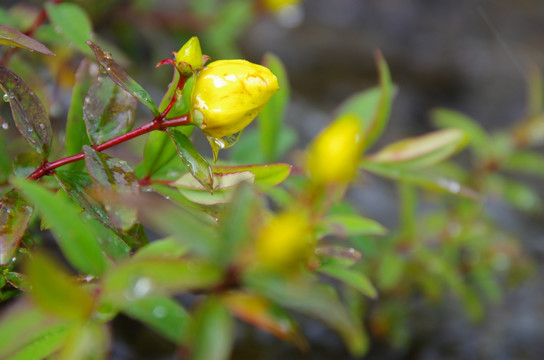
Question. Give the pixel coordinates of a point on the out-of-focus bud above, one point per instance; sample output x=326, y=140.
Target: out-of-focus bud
x=228, y=95
x=335, y=153
x=284, y=243
x=189, y=57
x=277, y=5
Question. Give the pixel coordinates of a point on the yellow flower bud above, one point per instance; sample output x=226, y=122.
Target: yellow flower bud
x=228, y=95
x=334, y=154
x=284, y=242
x=189, y=57
x=276, y=5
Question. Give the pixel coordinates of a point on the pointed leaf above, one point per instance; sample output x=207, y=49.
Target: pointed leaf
x=422, y=151
x=70, y=21
x=213, y=331
x=526, y=162
x=10, y=36
x=28, y=112
x=372, y=106
x=169, y=248
x=15, y=213
x=265, y=315
x=74, y=237
x=76, y=135
x=113, y=175
x=353, y=278
x=108, y=111
x=193, y=161
x=351, y=225
x=88, y=340
x=272, y=115
x=44, y=345
x=337, y=255
x=162, y=314
x=121, y=78
x=267, y=174
x=54, y=291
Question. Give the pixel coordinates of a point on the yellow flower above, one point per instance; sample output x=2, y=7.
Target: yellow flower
x=189, y=57
x=334, y=154
x=276, y=5
x=228, y=95
x=285, y=242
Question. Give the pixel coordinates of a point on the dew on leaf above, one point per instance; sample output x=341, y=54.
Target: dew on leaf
x=5, y=97
x=159, y=311
x=5, y=125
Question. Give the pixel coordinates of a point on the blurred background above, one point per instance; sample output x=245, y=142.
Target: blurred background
x=468, y=55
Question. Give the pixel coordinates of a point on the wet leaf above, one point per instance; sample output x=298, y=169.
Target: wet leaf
x=15, y=213
x=158, y=152
x=28, y=112
x=121, y=78
x=74, y=236
x=265, y=315
x=303, y=294
x=54, y=291
x=137, y=278
x=422, y=151
x=108, y=111
x=17, y=280
x=162, y=314
x=337, y=255
x=266, y=174
x=10, y=36
x=70, y=21
x=223, y=189
x=113, y=175
x=197, y=166
x=76, y=135
x=351, y=225
x=272, y=115
x=169, y=248
x=353, y=278
x=213, y=331
x=90, y=340
x=25, y=163
x=372, y=106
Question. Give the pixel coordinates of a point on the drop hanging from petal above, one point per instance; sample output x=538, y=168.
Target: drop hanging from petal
x=223, y=142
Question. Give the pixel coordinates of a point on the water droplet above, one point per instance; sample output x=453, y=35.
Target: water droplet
x=13, y=259
x=58, y=29
x=159, y=311
x=5, y=97
x=167, y=197
x=31, y=50
x=141, y=287
x=42, y=126
x=29, y=129
x=5, y=125
x=88, y=278
x=221, y=143
x=12, y=46
x=108, y=68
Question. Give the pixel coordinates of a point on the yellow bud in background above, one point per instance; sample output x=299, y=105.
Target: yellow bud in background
x=335, y=153
x=276, y=5
x=284, y=242
x=189, y=57
x=229, y=94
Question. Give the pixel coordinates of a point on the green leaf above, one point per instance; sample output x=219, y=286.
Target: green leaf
x=213, y=331
x=28, y=112
x=10, y=36
x=108, y=111
x=372, y=106
x=90, y=340
x=266, y=175
x=76, y=134
x=74, y=237
x=222, y=192
x=390, y=270
x=121, y=78
x=162, y=314
x=479, y=140
x=517, y=194
x=15, y=213
x=353, y=278
x=272, y=115
x=422, y=151
x=526, y=162
x=193, y=161
x=43, y=346
x=138, y=278
x=169, y=248
x=245, y=151
x=71, y=21
x=54, y=291
x=158, y=152
x=337, y=255
x=303, y=294
x=113, y=175
x=351, y=225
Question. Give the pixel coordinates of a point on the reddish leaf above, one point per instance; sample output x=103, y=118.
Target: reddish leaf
x=10, y=36
x=15, y=214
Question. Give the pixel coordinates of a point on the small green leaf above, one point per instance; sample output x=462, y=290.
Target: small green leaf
x=337, y=255
x=10, y=36
x=517, y=194
x=390, y=270
x=88, y=340
x=213, y=331
x=162, y=314
x=43, y=346
x=15, y=213
x=71, y=21
x=76, y=135
x=272, y=115
x=422, y=151
x=193, y=161
x=372, y=106
x=526, y=162
x=74, y=237
x=266, y=175
x=352, y=225
x=29, y=114
x=108, y=111
x=353, y=278
x=121, y=78
x=54, y=291
x=169, y=248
